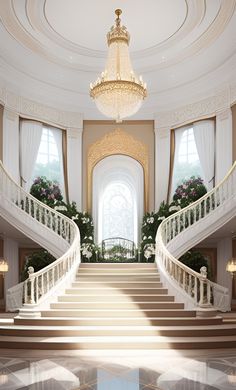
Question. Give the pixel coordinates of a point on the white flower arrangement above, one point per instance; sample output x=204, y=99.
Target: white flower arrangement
x=86, y=250
x=174, y=208
x=150, y=220
x=149, y=251
x=60, y=208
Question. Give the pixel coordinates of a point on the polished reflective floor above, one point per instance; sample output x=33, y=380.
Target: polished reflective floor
x=164, y=370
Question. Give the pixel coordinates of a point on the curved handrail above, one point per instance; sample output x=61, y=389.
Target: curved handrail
x=40, y=283
x=196, y=285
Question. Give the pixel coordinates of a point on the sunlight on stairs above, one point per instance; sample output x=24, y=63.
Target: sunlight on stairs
x=117, y=306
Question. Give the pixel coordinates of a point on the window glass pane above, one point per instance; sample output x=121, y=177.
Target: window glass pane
x=118, y=210
x=49, y=159
x=187, y=161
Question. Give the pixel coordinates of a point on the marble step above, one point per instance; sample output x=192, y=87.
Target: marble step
x=114, y=313
x=118, y=278
x=123, y=271
x=117, y=284
x=87, y=331
x=110, y=291
x=116, y=298
x=135, y=321
x=118, y=265
x=117, y=342
x=116, y=305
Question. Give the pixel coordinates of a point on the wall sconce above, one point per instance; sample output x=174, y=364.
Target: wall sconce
x=3, y=377
x=232, y=375
x=3, y=266
x=231, y=266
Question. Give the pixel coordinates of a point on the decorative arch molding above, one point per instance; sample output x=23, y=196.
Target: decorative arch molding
x=114, y=143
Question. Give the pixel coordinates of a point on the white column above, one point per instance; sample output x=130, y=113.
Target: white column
x=74, y=165
x=223, y=143
x=162, y=165
x=11, y=143
x=224, y=253
x=11, y=254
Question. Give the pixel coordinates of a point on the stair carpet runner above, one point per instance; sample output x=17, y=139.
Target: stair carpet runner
x=117, y=306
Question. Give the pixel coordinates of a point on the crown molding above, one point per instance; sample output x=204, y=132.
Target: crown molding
x=197, y=110
x=33, y=110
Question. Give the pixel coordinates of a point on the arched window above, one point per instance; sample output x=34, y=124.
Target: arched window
x=118, y=211
x=118, y=198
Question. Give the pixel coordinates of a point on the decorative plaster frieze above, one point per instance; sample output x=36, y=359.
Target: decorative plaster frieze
x=11, y=115
x=224, y=114
x=31, y=109
x=162, y=133
x=2, y=95
x=198, y=110
x=233, y=94
x=74, y=133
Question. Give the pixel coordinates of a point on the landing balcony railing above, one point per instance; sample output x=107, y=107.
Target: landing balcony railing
x=199, y=289
x=39, y=284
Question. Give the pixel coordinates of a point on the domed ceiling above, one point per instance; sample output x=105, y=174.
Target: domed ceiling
x=50, y=50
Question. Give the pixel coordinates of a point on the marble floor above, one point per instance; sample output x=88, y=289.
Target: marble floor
x=122, y=370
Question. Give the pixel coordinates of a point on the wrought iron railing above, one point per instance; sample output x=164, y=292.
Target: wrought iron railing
x=118, y=248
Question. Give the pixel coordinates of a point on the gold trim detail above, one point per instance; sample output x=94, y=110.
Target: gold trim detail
x=117, y=142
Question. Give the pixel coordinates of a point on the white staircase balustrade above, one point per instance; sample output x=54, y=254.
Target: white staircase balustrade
x=50, y=229
x=182, y=231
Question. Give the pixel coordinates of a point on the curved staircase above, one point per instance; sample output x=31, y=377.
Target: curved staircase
x=69, y=305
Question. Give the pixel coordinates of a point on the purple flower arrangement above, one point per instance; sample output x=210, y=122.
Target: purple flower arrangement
x=189, y=191
x=46, y=191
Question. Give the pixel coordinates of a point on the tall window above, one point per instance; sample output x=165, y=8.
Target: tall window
x=49, y=160
x=118, y=197
x=186, y=160
x=118, y=211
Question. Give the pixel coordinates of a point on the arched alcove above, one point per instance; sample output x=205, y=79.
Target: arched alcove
x=118, y=198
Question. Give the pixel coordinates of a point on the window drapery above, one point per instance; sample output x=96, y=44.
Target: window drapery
x=204, y=134
x=30, y=138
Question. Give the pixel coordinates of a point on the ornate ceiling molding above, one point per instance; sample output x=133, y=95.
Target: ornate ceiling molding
x=198, y=110
x=34, y=110
x=34, y=32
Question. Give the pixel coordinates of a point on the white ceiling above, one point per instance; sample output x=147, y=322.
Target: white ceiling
x=50, y=50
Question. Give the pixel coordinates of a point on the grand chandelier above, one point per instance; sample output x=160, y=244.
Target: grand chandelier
x=118, y=92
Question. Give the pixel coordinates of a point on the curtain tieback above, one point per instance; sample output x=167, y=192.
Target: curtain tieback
x=213, y=177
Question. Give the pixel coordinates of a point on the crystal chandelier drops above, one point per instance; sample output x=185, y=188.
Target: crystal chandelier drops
x=118, y=92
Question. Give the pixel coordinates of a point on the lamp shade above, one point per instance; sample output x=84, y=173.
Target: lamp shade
x=3, y=266
x=231, y=265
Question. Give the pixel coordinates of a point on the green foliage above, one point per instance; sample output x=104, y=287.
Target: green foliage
x=189, y=191
x=49, y=193
x=195, y=260
x=38, y=260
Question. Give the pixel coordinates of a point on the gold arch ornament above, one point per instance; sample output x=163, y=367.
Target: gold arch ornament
x=113, y=143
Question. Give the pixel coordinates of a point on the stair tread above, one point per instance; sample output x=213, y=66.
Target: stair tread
x=123, y=310
x=118, y=295
x=117, y=339
x=118, y=327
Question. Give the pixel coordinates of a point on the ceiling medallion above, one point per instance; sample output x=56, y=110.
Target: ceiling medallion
x=118, y=92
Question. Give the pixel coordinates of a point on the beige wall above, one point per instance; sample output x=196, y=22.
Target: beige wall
x=141, y=130
x=234, y=130
x=1, y=131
